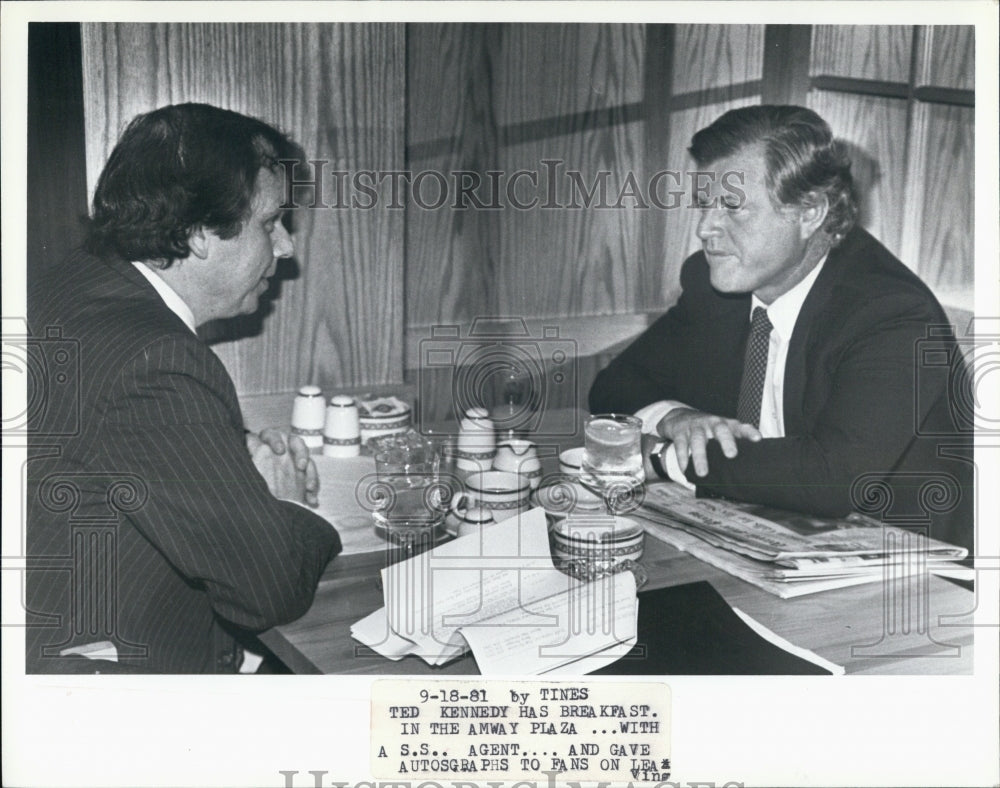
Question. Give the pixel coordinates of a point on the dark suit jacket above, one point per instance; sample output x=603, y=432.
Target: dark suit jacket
x=148, y=524
x=862, y=404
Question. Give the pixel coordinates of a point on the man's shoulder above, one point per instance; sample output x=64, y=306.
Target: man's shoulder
x=861, y=270
x=114, y=318
x=91, y=297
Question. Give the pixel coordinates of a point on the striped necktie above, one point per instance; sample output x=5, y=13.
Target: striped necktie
x=754, y=368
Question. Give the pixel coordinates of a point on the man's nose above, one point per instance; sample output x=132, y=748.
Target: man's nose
x=708, y=222
x=281, y=242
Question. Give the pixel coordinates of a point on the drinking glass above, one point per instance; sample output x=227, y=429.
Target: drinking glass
x=612, y=455
x=410, y=500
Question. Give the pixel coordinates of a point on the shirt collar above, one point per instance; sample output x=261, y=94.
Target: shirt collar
x=784, y=310
x=173, y=301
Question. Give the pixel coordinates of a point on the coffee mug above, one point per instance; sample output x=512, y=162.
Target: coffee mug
x=504, y=494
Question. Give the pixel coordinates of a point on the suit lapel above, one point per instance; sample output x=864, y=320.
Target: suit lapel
x=223, y=383
x=812, y=316
x=728, y=330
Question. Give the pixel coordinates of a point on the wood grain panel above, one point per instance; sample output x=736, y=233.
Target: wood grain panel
x=338, y=90
x=574, y=260
x=680, y=239
x=947, y=57
x=450, y=253
x=874, y=130
x=591, y=342
x=447, y=66
x=880, y=52
x=939, y=226
x=548, y=70
x=570, y=261
x=711, y=56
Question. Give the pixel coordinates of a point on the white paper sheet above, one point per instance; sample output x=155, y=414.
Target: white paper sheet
x=498, y=592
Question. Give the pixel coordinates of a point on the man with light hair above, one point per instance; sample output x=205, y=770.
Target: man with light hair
x=787, y=372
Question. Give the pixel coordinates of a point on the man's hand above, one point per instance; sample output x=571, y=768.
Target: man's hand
x=286, y=466
x=690, y=430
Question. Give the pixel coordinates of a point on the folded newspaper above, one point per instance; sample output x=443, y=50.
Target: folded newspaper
x=498, y=594
x=787, y=553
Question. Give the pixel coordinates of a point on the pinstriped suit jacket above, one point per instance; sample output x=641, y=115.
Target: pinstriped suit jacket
x=148, y=523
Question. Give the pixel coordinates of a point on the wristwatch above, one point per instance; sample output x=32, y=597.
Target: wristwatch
x=656, y=463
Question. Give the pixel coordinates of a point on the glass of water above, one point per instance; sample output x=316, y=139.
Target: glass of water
x=612, y=454
x=409, y=499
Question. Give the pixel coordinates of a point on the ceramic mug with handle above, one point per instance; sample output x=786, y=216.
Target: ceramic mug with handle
x=504, y=494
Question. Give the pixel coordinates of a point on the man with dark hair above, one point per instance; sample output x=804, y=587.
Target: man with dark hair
x=151, y=529
x=786, y=373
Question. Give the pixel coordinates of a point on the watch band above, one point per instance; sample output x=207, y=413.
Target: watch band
x=656, y=463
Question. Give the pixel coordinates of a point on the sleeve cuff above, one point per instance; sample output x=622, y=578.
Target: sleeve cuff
x=664, y=462
x=673, y=467
x=653, y=413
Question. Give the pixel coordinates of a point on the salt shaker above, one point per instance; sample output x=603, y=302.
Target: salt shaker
x=476, y=441
x=342, y=428
x=308, y=416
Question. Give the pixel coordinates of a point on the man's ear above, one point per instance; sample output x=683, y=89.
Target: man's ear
x=812, y=213
x=198, y=242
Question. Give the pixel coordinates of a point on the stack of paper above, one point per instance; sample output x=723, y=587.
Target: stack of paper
x=785, y=553
x=497, y=593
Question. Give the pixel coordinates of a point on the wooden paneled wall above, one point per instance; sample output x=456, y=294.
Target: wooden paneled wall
x=506, y=98
x=450, y=254
x=339, y=91
x=568, y=94
x=608, y=102
x=560, y=104
x=901, y=97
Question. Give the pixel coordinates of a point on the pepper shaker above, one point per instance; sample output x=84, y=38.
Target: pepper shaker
x=342, y=428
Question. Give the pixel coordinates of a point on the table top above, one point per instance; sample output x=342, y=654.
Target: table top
x=844, y=626
x=910, y=626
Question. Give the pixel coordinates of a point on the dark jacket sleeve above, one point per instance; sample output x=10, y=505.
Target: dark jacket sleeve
x=207, y=509
x=872, y=399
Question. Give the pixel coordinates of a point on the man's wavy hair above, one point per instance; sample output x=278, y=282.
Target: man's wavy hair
x=178, y=168
x=801, y=154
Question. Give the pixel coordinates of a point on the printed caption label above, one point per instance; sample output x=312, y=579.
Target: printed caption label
x=617, y=732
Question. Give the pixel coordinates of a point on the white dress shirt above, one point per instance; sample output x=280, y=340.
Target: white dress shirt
x=782, y=312
x=173, y=301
